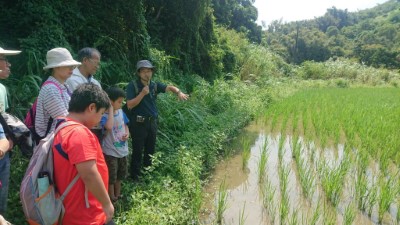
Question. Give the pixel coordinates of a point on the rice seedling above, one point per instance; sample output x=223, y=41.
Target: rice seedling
x=268, y=200
x=386, y=195
x=307, y=178
x=262, y=163
x=361, y=189
x=296, y=147
x=281, y=149
x=349, y=214
x=242, y=218
x=372, y=198
x=294, y=217
x=283, y=181
x=328, y=215
x=221, y=202
x=284, y=209
x=246, y=152
x=316, y=214
x=332, y=180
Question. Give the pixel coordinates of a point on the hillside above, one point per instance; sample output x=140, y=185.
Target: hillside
x=368, y=36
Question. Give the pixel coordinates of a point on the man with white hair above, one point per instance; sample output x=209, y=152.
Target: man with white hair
x=5, y=145
x=83, y=74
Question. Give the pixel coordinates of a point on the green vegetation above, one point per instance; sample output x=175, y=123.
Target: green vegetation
x=231, y=80
x=368, y=36
x=345, y=125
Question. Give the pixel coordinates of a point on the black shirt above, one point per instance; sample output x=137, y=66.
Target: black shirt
x=146, y=107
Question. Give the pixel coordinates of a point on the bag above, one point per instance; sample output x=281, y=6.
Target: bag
x=18, y=132
x=31, y=115
x=46, y=209
x=128, y=112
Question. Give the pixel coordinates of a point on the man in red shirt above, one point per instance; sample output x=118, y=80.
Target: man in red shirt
x=85, y=157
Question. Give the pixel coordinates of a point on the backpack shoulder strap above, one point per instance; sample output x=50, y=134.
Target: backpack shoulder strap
x=60, y=125
x=70, y=185
x=135, y=87
x=53, y=83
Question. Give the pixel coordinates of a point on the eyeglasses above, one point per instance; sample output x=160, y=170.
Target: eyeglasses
x=94, y=62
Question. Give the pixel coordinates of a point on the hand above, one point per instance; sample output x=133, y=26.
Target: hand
x=109, y=211
x=10, y=144
x=125, y=137
x=146, y=90
x=182, y=96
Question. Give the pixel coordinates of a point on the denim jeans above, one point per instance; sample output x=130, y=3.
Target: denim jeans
x=4, y=179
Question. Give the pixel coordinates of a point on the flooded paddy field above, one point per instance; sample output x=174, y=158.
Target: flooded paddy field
x=288, y=171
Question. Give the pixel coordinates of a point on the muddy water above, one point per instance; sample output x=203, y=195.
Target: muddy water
x=245, y=198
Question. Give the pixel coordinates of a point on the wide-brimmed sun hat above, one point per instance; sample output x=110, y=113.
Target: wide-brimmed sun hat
x=8, y=52
x=144, y=64
x=58, y=57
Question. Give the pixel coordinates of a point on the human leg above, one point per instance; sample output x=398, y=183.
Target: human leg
x=112, y=164
x=150, y=143
x=138, y=135
x=4, y=179
x=122, y=173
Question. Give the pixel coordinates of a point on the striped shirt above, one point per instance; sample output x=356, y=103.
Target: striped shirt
x=51, y=104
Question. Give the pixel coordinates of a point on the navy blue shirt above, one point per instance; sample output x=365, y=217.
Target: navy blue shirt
x=146, y=107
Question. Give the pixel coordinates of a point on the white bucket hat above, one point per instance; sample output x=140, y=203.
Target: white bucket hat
x=8, y=52
x=58, y=57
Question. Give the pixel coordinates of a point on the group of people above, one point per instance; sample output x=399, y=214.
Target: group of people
x=96, y=145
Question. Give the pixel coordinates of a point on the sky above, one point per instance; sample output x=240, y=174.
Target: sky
x=292, y=10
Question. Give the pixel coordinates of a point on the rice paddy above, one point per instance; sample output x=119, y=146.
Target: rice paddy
x=322, y=156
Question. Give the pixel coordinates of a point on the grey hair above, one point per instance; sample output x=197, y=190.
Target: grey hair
x=87, y=53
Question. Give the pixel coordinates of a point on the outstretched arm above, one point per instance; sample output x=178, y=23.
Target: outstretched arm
x=179, y=93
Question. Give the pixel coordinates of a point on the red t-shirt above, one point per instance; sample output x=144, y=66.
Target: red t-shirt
x=81, y=145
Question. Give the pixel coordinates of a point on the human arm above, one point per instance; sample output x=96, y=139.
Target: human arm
x=110, y=119
x=94, y=183
x=126, y=135
x=132, y=100
x=179, y=93
x=4, y=143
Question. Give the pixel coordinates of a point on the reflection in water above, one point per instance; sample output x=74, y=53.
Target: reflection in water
x=245, y=191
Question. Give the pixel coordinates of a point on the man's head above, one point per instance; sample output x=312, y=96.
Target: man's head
x=90, y=101
x=117, y=96
x=90, y=59
x=145, y=70
x=5, y=66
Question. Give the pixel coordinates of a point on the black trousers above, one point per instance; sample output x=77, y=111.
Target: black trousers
x=143, y=136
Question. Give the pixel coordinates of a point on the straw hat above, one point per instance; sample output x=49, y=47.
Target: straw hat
x=58, y=57
x=8, y=52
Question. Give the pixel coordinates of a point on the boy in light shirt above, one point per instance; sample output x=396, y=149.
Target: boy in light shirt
x=115, y=145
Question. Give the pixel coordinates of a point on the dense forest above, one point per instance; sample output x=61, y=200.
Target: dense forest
x=368, y=36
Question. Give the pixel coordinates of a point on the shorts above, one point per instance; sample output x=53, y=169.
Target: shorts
x=117, y=168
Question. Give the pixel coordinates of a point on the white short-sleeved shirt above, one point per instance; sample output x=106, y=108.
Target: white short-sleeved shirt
x=112, y=143
x=77, y=78
x=3, y=98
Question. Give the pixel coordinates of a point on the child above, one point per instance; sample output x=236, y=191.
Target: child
x=115, y=145
x=88, y=104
